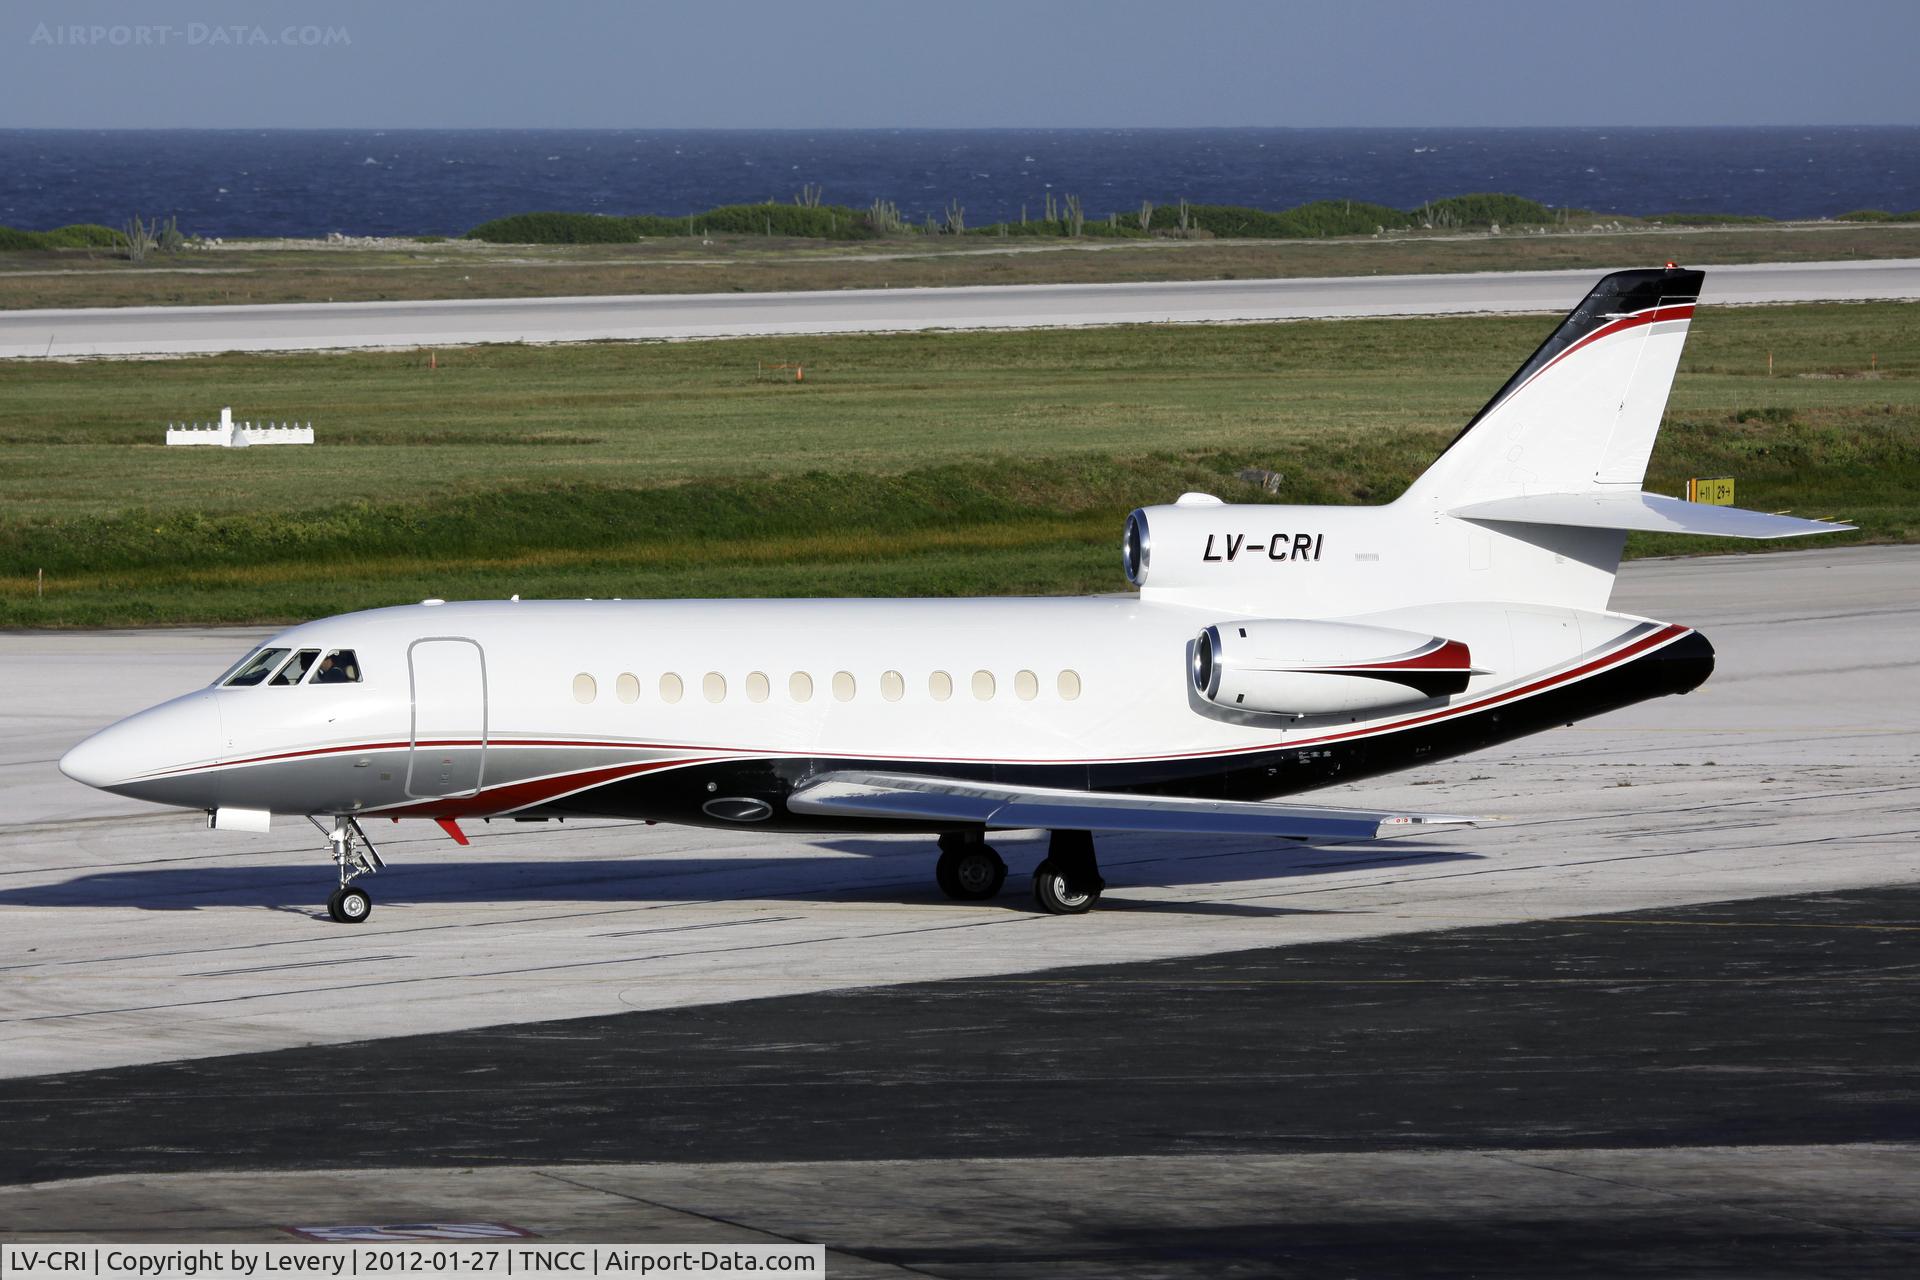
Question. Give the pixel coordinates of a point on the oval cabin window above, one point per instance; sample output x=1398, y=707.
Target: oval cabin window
x=1069, y=685
x=1026, y=685
x=715, y=687
x=627, y=687
x=757, y=687
x=983, y=685
x=584, y=689
x=893, y=686
x=800, y=686
x=843, y=686
x=671, y=688
x=940, y=685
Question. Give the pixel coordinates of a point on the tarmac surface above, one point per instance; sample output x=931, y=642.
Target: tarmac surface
x=1728, y=1089
x=1656, y=1019
x=123, y=331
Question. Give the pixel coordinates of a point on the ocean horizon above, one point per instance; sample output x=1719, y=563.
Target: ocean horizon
x=310, y=182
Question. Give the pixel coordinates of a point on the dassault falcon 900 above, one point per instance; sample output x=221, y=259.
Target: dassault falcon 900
x=1269, y=650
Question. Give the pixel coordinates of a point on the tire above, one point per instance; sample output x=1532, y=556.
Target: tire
x=350, y=905
x=971, y=874
x=1052, y=894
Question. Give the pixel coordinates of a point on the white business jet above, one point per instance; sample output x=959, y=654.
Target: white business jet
x=1269, y=650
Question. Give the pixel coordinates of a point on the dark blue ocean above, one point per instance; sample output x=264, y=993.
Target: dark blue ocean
x=400, y=182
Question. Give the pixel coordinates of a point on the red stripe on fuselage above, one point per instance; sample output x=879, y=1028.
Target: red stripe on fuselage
x=519, y=795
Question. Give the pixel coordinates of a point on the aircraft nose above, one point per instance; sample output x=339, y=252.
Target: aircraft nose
x=184, y=731
x=95, y=762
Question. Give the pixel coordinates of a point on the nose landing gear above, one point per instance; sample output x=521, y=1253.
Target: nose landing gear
x=355, y=855
x=1067, y=882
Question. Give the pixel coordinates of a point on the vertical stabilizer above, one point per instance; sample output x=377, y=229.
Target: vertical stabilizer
x=1581, y=414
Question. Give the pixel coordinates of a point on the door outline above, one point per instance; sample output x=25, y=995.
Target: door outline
x=413, y=719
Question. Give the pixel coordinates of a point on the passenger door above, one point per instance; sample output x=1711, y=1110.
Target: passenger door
x=448, y=745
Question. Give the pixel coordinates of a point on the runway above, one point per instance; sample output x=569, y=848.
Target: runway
x=1655, y=1016
x=128, y=331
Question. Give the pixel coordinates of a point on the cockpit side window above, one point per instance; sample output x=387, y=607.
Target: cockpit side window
x=259, y=668
x=296, y=671
x=340, y=666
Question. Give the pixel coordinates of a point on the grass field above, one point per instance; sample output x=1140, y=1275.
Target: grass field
x=314, y=272
x=904, y=464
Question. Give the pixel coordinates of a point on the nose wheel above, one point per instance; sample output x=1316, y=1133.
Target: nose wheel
x=1067, y=882
x=355, y=855
x=350, y=904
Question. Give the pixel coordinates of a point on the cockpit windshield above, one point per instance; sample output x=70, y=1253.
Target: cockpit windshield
x=296, y=671
x=252, y=671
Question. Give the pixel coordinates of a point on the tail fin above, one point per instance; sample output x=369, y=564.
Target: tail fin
x=1581, y=414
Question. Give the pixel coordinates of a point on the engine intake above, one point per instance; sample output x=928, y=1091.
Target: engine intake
x=1296, y=667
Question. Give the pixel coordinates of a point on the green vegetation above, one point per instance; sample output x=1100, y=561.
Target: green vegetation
x=1879, y=215
x=812, y=222
x=1054, y=218
x=78, y=235
x=904, y=464
x=1487, y=209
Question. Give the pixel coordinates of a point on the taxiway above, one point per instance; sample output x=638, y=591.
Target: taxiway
x=133, y=331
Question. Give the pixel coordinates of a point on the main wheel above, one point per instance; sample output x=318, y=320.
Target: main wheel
x=1053, y=893
x=350, y=905
x=970, y=874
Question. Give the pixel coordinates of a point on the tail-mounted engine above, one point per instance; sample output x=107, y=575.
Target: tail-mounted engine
x=1294, y=667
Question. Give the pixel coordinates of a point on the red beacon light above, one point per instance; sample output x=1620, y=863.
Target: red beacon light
x=1673, y=266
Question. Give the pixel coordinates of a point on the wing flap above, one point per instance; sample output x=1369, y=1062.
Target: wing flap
x=1643, y=512
x=918, y=797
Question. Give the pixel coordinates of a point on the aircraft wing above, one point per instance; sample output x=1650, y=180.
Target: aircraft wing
x=858, y=794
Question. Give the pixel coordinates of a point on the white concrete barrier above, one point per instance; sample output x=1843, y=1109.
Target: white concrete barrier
x=228, y=434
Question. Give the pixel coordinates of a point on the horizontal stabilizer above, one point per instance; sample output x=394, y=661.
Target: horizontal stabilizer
x=920, y=798
x=1642, y=512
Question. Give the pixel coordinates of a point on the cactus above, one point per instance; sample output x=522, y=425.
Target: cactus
x=170, y=240
x=1146, y=215
x=956, y=219
x=884, y=217
x=808, y=197
x=1076, y=216
x=139, y=237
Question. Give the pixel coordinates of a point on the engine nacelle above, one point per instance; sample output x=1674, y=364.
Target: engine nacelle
x=1297, y=667
x=1202, y=541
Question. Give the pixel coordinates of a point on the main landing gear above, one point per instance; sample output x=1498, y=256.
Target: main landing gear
x=1066, y=883
x=355, y=855
x=969, y=870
